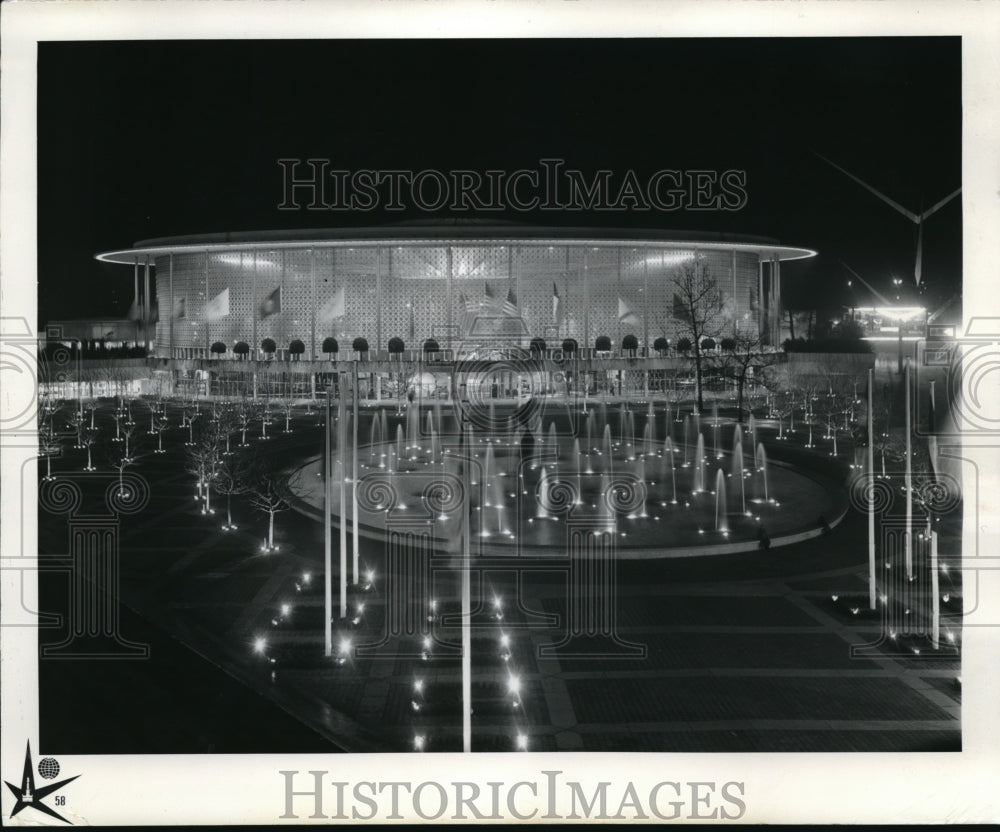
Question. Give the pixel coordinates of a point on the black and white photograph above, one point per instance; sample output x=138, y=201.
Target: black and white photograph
x=521, y=395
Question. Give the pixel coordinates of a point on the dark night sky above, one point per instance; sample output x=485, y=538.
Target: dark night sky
x=151, y=139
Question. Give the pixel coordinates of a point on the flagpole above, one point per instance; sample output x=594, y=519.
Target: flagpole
x=342, y=456
x=909, y=478
x=327, y=530
x=354, y=470
x=207, y=299
x=871, y=491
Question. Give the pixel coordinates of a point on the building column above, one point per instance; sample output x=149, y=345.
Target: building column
x=378, y=295
x=645, y=305
x=170, y=336
x=208, y=297
x=312, y=306
x=149, y=305
x=776, y=294
x=761, y=330
x=586, y=300
x=450, y=277
x=253, y=315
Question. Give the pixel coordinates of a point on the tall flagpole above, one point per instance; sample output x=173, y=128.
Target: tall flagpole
x=909, y=477
x=871, y=490
x=342, y=458
x=354, y=470
x=327, y=530
x=466, y=595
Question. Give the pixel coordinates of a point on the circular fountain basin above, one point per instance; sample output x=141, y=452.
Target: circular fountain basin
x=529, y=504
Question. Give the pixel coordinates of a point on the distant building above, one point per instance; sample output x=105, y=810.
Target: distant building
x=464, y=284
x=94, y=332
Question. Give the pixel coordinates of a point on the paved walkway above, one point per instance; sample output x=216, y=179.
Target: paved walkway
x=743, y=652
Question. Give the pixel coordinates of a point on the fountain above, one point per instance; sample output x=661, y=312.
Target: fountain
x=579, y=472
x=606, y=450
x=376, y=443
x=752, y=426
x=488, y=472
x=699, y=474
x=412, y=415
x=687, y=439
x=761, y=461
x=658, y=526
x=721, y=518
x=647, y=439
x=737, y=472
x=435, y=448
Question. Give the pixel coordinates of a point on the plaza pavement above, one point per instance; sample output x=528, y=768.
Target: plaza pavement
x=743, y=652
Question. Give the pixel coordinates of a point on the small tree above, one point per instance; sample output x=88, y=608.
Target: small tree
x=602, y=343
x=269, y=347
x=242, y=349
x=661, y=345
x=77, y=421
x=295, y=349
x=728, y=344
x=330, y=347
x=630, y=344
x=684, y=346
x=569, y=346
x=396, y=345
x=119, y=461
x=48, y=436
x=89, y=440
x=244, y=416
x=128, y=431
x=431, y=346
x=269, y=495
x=218, y=348
x=708, y=344
x=287, y=408
x=232, y=478
x=537, y=346
x=360, y=344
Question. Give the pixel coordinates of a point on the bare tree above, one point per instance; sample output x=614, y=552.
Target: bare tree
x=119, y=460
x=698, y=306
x=233, y=477
x=89, y=440
x=48, y=435
x=287, y=408
x=269, y=495
x=202, y=461
x=745, y=359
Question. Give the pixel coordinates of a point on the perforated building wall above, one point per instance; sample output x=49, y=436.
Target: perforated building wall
x=453, y=293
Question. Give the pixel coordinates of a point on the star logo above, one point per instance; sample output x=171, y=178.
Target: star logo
x=30, y=797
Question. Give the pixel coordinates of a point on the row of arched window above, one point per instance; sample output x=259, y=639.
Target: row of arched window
x=396, y=346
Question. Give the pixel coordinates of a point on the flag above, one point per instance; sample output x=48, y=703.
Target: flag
x=466, y=313
x=335, y=307
x=180, y=308
x=626, y=315
x=510, y=304
x=271, y=306
x=218, y=307
x=556, y=304
x=680, y=310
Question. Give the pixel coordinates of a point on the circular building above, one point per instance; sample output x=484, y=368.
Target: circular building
x=460, y=284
